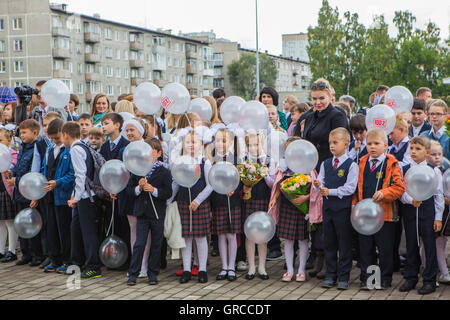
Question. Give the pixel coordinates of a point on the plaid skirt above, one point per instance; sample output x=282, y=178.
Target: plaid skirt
x=291, y=222
x=221, y=220
x=252, y=206
x=7, y=206
x=201, y=220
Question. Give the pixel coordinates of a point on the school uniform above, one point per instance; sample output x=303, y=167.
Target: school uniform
x=110, y=149
x=356, y=155
x=416, y=131
x=429, y=211
x=441, y=137
x=340, y=176
x=401, y=152
x=84, y=236
x=147, y=221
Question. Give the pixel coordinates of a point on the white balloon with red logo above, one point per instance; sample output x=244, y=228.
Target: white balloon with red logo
x=399, y=98
x=380, y=117
x=175, y=98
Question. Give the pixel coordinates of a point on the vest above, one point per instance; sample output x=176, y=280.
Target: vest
x=333, y=180
x=52, y=164
x=370, y=179
x=183, y=193
x=400, y=153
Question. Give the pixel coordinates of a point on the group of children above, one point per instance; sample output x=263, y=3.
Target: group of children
x=362, y=167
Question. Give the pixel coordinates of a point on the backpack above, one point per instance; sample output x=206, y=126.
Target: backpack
x=94, y=184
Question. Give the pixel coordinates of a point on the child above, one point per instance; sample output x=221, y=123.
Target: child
x=154, y=131
x=199, y=204
x=357, y=147
x=419, y=115
x=57, y=168
x=379, y=178
x=158, y=185
x=29, y=131
x=96, y=138
x=85, y=122
x=296, y=112
x=438, y=114
x=338, y=178
x=274, y=117
x=258, y=201
x=400, y=142
x=7, y=207
x=112, y=126
x=83, y=229
x=429, y=221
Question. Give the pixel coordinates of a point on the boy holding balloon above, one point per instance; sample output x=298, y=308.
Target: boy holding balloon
x=422, y=216
x=380, y=178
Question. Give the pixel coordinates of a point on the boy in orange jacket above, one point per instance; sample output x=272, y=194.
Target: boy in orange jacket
x=377, y=166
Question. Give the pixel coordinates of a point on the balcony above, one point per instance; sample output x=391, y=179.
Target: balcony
x=218, y=63
x=62, y=74
x=91, y=37
x=134, y=81
x=191, y=54
x=160, y=83
x=208, y=72
x=91, y=57
x=190, y=68
x=89, y=76
x=136, y=64
x=60, y=32
x=159, y=65
x=61, y=53
x=136, y=46
x=159, y=49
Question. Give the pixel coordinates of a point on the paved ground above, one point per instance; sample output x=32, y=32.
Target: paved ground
x=31, y=283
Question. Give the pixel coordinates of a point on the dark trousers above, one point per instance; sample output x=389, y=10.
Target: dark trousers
x=31, y=248
x=426, y=232
x=397, y=239
x=121, y=225
x=42, y=208
x=84, y=238
x=384, y=241
x=143, y=227
x=337, y=231
x=58, y=234
x=274, y=244
x=241, y=252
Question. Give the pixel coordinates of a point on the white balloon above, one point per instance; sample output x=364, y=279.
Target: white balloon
x=138, y=158
x=185, y=171
x=446, y=182
x=201, y=107
x=114, y=176
x=301, y=157
x=56, y=93
x=254, y=115
x=399, y=98
x=381, y=117
x=28, y=223
x=31, y=186
x=224, y=177
x=113, y=252
x=259, y=227
x=367, y=217
x=421, y=182
x=5, y=158
x=231, y=109
x=147, y=97
x=175, y=98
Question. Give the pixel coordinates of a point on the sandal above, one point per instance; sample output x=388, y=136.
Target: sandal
x=287, y=277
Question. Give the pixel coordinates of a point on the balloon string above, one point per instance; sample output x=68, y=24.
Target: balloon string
x=229, y=210
x=112, y=220
x=190, y=211
x=153, y=205
x=188, y=119
x=154, y=130
x=417, y=227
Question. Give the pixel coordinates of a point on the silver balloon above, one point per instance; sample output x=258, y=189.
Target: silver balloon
x=231, y=109
x=275, y=145
x=421, y=182
x=28, y=223
x=185, y=171
x=5, y=158
x=446, y=182
x=399, y=99
x=301, y=157
x=367, y=217
x=259, y=227
x=201, y=107
x=380, y=117
x=254, y=115
x=147, y=97
x=138, y=158
x=113, y=252
x=31, y=186
x=224, y=177
x=114, y=176
x=56, y=93
x=175, y=98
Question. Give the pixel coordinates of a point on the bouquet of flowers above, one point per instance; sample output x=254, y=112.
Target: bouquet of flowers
x=447, y=126
x=298, y=184
x=251, y=173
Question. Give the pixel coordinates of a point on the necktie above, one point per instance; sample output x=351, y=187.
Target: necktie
x=336, y=163
x=374, y=165
x=112, y=145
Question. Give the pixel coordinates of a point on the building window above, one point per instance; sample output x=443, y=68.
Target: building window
x=119, y=90
x=108, y=34
x=17, y=24
x=2, y=46
x=117, y=35
x=70, y=67
x=80, y=88
x=2, y=66
x=100, y=69
x=118, y=54
x=126, y=73
x=125, y=54
x=109, y=90
x=89, y=68
x=78, y=48
x=18, y=66
x=117, y=72
x=149, y=76
x=142, y=74
x=175, y=63
x=68, y=83
x=1, y=25
x=176, y=47
x=169, y=61
x=58, y=65
x=18, y=45
x=80, y=68
x=125, y=36
x=108, y=53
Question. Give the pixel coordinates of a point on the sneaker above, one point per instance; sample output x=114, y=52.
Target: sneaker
x=62, y=269
x=131, y=281
x=8, y=257
x=179, y=273
x=195, y=270
x=444, y=278
x=274, y=255
x=50, y=268
x=45, y=263
x=242, y=266
x=342, y=285
x=142, y=275
x=328, y=283
x=91, y=274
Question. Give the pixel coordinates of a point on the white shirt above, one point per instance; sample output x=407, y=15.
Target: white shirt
x=78, y=157
x=438, y=134
x=350, y=185
x=406, y=157
x=380, y=159
x=416, y=130
x=352, y=153
x=439, y=203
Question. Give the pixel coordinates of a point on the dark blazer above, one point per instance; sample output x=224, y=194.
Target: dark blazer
x=318, y=126
x=426, y=127
x=106, y=152
x=161, y=180
x=23, y=166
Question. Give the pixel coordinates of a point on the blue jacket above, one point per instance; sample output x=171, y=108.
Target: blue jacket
x=444, y=140
x=64, y=176
x=23, y=166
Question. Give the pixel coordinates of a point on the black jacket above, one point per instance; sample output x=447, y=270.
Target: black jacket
x=318, y=126
x=106, y=152
x=161, y=180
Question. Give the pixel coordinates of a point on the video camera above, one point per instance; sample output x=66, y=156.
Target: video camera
x=25, y=93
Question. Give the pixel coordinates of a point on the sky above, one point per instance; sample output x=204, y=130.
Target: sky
x=235, y=19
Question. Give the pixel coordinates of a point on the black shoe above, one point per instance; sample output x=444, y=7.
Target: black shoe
x=274, y=255
x=22, y=261
x=249, y=276
x=222, y=276
x=163, y=264
x=131, y=281
x=385, y=285
x=363, y=285
x=202, y=277
x=152, y=280
x=407, y=286
x=1, y=256
x=9, y=257
x=91, y=274
x=264, y=276
x=185, y=277
x=427, y=288
x=231, y=277
x=214, y=252
x=34, y=262
x=45, y=263
x=310, y=262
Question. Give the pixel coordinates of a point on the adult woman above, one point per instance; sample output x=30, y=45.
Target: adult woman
x=270, y=96
x=100, y=107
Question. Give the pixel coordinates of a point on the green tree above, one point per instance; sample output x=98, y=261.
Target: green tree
x=242, y=74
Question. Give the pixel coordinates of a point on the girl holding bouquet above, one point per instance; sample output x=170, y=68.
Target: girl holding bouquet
x=291, y=222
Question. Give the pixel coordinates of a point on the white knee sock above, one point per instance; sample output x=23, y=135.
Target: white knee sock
x=303, y=255
x=223, y=252
x=186, y=253
x=250, y=248
x=3, y=236
x=289, y=255
x=13, y=237
x=232, y=250
x=202, y=250
x=262, y=253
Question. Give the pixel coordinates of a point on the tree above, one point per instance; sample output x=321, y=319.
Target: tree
x=242, y=74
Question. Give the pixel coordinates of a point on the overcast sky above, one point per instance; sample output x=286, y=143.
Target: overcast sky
x=235, y=19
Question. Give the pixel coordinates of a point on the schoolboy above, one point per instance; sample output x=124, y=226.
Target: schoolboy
x=437, y=114
x=400, y=142
x=419, y=115
x=85, y=122
x=112, y=127
x=96, y=138
x=357, y=148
